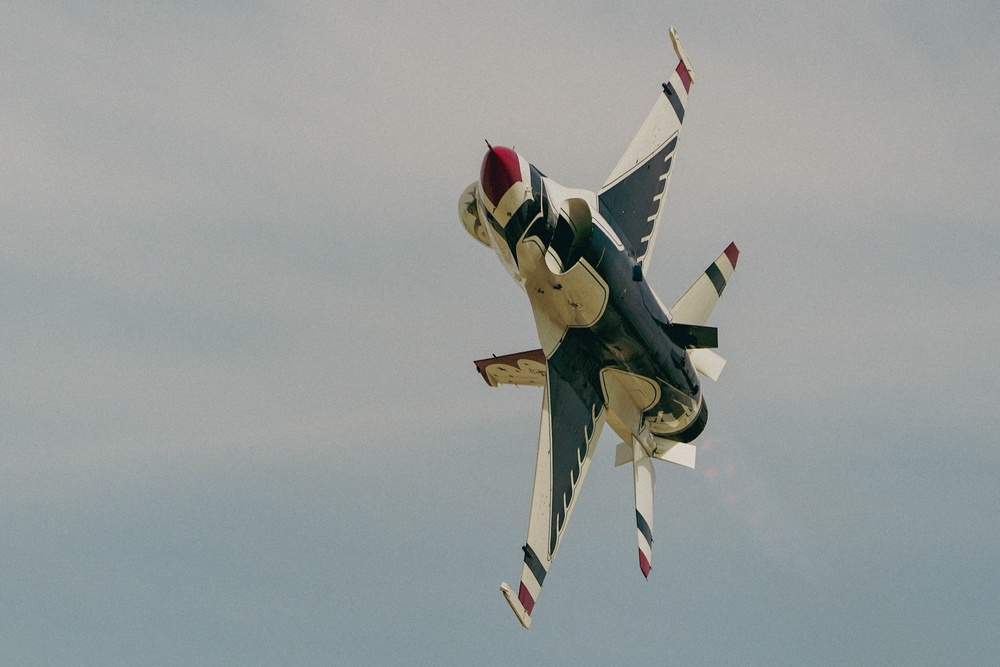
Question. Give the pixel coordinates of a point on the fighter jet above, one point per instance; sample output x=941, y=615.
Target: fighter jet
x=610, y=350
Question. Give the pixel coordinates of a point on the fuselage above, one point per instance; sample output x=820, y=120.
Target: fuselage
x=590, y=299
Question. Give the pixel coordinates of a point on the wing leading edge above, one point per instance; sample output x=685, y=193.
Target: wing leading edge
x=633, y=195
x=572, y=419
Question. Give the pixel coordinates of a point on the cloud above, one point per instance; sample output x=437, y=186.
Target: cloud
x=234, y=277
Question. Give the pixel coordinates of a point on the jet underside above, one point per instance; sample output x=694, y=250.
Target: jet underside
x=631, y=333
x=610, y=351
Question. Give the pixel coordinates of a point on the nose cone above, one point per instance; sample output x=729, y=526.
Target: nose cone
x=501, y=169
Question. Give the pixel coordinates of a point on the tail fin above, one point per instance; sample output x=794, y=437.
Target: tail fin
x=645, y=484
x=700, y=299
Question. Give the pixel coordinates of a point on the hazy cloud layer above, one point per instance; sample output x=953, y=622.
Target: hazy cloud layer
x=242, y=422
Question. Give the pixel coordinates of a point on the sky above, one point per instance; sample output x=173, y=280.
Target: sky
x=238, y=315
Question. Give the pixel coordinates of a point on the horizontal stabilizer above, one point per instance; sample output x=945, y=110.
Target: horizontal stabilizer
x=681, y=453
x=515, y=604
x=691, y=336
x=700, y=299
x=707, y=363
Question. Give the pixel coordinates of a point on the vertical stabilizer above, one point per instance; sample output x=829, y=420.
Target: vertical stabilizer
x=645, y=483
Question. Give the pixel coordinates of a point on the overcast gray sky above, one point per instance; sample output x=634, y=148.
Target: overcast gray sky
x=241, y=420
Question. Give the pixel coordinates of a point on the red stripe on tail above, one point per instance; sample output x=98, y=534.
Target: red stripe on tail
x=644, y=564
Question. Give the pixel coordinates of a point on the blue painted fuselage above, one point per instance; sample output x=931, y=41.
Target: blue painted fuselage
x=633, y=333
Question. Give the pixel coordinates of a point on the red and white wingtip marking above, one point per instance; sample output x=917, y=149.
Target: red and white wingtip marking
x=688, y=76
x=522, y=612
x=732, y=253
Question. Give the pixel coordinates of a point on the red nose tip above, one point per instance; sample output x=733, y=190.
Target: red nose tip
x=501, y=169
